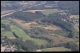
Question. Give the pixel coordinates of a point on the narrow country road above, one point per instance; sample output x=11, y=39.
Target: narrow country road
x=7, y=14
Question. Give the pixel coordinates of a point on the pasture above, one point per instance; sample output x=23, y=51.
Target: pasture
x=8, y=34
x=5, y=21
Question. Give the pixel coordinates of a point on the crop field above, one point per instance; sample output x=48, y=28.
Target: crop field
x=50, y=11
x=20, y=33
x=57, y=49
x=33, y=11
x=46, y=11
x=58, y=38
x=8, y=34
x=5, y=21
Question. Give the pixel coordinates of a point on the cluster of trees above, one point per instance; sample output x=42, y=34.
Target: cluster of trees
x=27, y=16
x=37, y=32
x=60, y=32
x=5, y=40
x=27, y=45
x=72, y=6
x=71, y=45
x=40, y=7
x=6, y=27
x=15, y=35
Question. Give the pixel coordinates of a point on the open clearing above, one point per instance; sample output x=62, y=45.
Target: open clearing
x=23, y=24
x=33, y=11
x=8, y=34
x=52, y=27
x=50, y=11
x=74, y=16
x=20, y=33
x=46, y=11
x=58, y=39
x=57, y=49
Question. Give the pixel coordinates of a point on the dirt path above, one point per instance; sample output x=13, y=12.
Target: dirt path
x=6, y=11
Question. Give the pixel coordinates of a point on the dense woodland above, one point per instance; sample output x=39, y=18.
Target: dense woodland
x=27, y=16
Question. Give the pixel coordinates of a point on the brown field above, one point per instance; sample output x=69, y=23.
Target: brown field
x=74, y=16
x=20, y=22
x=33, y=23
x=33, y=11
x=47, y=27
x=59, y=38
x=52, y=28
x=6, y=11
x=28, y=24
x=12, y=38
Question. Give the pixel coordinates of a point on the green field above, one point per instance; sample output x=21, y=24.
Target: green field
x=8, y=34
x=56, y=49
x=5, y=21
x=20, y=33
x=50, y=11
